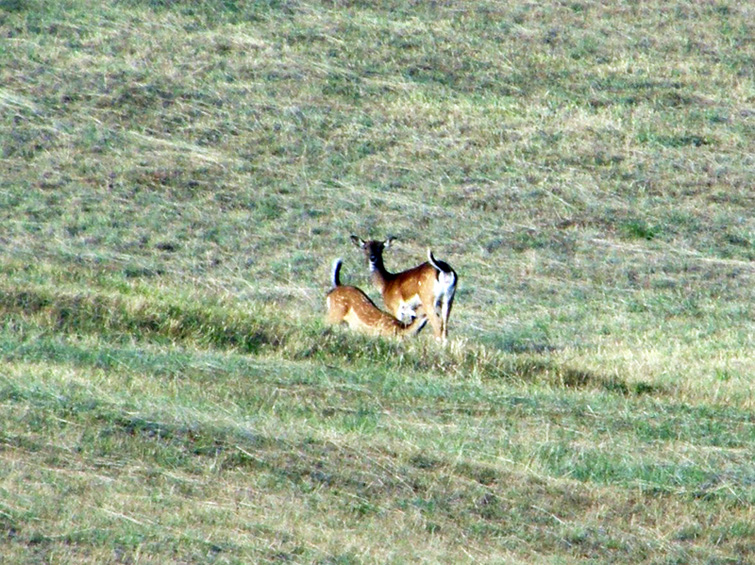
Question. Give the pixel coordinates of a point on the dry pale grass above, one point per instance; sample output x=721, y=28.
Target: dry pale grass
x=177, y=180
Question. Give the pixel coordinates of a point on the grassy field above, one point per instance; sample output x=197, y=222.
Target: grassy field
x=176, y=178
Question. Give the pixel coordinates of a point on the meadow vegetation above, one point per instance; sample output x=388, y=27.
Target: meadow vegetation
x=176, y=179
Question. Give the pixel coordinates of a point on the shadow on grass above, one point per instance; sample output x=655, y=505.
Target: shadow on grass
x=127, y=318
x=256, y=331
x=582, y=379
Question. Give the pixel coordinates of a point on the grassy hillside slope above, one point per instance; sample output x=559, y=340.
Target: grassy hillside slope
x=177, y=178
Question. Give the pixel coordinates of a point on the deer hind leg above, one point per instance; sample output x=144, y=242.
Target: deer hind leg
x=445, y=312
x=436, y=322
x=445, y=289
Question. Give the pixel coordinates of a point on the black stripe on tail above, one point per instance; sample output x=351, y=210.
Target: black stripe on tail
x=336, y=275
x=441, y=266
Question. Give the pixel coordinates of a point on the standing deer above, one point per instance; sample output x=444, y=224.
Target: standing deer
x=350, y=305
x=425, y=292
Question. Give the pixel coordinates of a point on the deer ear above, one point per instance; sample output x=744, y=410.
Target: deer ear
x=387, y=243
x=357, y=241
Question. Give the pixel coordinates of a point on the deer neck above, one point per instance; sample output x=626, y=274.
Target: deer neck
x=380, y=277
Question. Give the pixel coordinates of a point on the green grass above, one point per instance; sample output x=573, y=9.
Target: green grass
x=177, y=178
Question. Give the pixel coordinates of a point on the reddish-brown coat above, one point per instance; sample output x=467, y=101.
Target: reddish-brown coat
x=348, y=304
x=420, y=292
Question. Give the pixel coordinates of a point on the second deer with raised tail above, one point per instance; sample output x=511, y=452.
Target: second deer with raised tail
x=425, y=292
x=350, y=305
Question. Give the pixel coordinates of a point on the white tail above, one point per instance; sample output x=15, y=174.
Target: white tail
x=348, y=304
x=425, y=292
